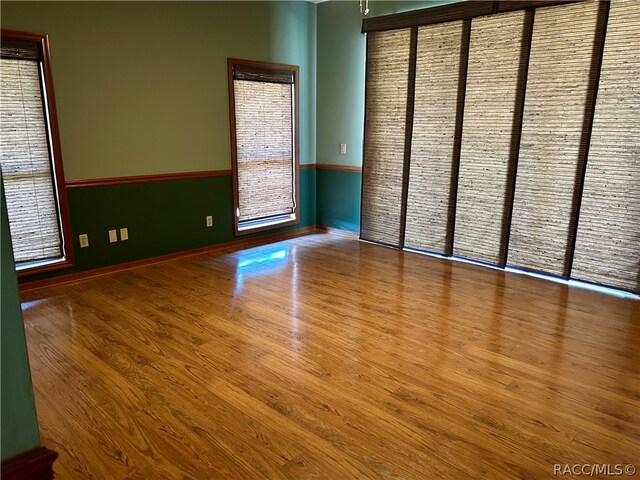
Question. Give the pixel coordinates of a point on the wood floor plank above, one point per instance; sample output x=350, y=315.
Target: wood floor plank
x=324, y=357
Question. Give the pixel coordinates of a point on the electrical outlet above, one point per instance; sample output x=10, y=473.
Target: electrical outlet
x=113, y=236
x=84, y=240
x=343, y=149
x=124, y=233
x=209, y=221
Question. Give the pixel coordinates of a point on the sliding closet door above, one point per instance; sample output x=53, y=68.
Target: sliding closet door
x=608, y=240
x=439, y=95
x=486, y=157
x=385, y=121
x=559, y=98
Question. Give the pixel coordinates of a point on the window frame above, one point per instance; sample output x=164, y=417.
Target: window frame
x=53, y=135
x=231, y=62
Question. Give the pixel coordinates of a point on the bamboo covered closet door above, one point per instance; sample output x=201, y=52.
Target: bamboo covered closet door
x=608, y=241
x=560, y=89
x=441, y=61
x=508, y=133
x=385, y=117
x=485, y=182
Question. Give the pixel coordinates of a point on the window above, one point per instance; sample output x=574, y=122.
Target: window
x=30, y=159
x=263, y=111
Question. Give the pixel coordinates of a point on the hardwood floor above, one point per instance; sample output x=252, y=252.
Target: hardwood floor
x=324, y=357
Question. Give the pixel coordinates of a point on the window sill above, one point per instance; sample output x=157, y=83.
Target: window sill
x=266, y=225
x=33, y=268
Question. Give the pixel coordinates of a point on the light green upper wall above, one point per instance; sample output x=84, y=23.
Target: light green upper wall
x=141, y=87
x=341, y=72
x=341, y=65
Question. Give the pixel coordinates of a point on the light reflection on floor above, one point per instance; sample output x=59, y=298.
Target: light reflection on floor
x=259, y=261
x=34, y=303
x=264, y=261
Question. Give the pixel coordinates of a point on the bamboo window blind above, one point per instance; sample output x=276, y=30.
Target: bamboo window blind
x=26, y=155
x=523, y=135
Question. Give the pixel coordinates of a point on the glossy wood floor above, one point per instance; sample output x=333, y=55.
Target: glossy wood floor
x=324, y=357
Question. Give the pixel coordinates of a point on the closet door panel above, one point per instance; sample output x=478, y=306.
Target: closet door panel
x=385, y=124
x=608, y=240
x=559, y=96
x=441, y=51
x=492, y=95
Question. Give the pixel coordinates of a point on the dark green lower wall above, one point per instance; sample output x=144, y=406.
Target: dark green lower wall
x=162, y=217
x=169, y=216
x=338, y=199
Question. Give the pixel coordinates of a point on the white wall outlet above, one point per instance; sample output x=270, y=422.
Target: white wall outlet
x=84, y=240
x=209, y=221
x=113, y=236
x=124, y=233
x=343, y=149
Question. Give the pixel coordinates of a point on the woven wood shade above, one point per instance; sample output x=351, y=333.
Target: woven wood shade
x=429, y=205
x=25, y=162
x=257, y=74
x=558, y=92
x=608, y=241
x=491, y=94
x=264, y=148
x=385, y=113
x=19, y=49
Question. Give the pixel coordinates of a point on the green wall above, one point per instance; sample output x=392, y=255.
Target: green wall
x=141, y=88
x=19, y=427
x=341, y=75
x=341, y=65
x=338, y=199
x=162, y=217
